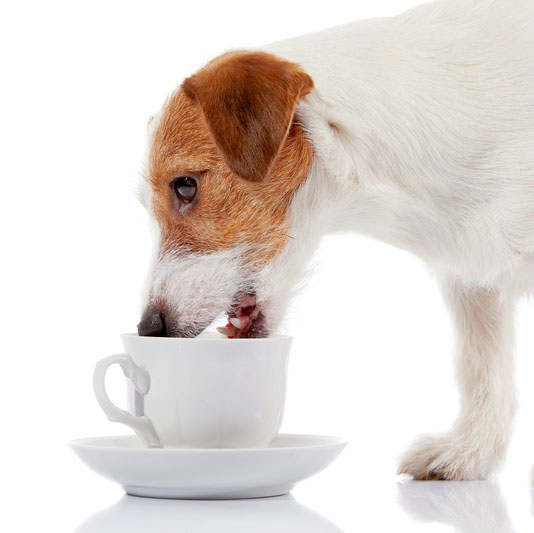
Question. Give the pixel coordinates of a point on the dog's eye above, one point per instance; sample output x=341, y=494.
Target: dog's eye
x=185, y=188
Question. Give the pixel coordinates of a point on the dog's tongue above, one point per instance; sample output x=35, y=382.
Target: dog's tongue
x=242, y=318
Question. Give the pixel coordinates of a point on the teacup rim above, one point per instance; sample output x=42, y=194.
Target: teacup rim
x=273, y=338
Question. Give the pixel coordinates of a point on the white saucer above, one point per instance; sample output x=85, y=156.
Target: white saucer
x=208, y=473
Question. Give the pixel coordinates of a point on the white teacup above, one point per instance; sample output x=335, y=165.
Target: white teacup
x=208, y=392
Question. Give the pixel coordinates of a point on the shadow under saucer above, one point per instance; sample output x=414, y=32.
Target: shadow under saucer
x=264, y=515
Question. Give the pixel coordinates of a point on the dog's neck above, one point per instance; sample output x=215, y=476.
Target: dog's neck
x=345, y=193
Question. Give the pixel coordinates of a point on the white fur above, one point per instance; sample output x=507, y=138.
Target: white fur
x=423, y=131
x=195, y=287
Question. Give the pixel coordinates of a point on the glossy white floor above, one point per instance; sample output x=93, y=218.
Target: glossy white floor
x=337, y=501
x=476, y=507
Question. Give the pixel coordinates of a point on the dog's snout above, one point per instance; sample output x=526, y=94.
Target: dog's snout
x=152, y=324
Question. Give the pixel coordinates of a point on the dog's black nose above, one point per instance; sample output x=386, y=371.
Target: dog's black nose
x=152, y=324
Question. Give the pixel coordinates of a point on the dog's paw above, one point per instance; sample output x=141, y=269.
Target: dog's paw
x=448, y=457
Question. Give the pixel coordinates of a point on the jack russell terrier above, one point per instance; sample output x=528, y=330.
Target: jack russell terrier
x=417, y=130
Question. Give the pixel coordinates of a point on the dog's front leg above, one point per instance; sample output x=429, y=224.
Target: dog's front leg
x=477, y=442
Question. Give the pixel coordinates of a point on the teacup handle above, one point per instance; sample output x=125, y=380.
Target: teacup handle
x=141, y=380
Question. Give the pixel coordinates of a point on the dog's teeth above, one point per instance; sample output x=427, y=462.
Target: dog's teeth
x=235, y=322
x=223, y=331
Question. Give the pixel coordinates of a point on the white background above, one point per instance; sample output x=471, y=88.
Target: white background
x=373, y=353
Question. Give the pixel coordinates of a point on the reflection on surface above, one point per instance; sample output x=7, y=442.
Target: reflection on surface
x=467, y=506
x=142, y=515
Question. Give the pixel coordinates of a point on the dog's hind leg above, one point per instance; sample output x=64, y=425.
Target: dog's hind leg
x=477, y=442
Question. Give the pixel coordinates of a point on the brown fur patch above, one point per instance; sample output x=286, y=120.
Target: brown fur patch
x=230, y=210
x=248, y=100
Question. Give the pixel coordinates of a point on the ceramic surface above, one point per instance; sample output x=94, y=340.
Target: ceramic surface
x=208, y=473
x=206, y=392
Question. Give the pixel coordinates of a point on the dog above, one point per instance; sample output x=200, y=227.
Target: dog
x=417, y=130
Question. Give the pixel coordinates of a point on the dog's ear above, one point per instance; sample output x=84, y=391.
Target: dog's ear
x=248, y=101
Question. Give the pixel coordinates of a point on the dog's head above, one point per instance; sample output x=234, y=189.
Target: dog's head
x=225, y=159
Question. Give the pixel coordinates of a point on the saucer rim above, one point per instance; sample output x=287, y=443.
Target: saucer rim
x=89, y=442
